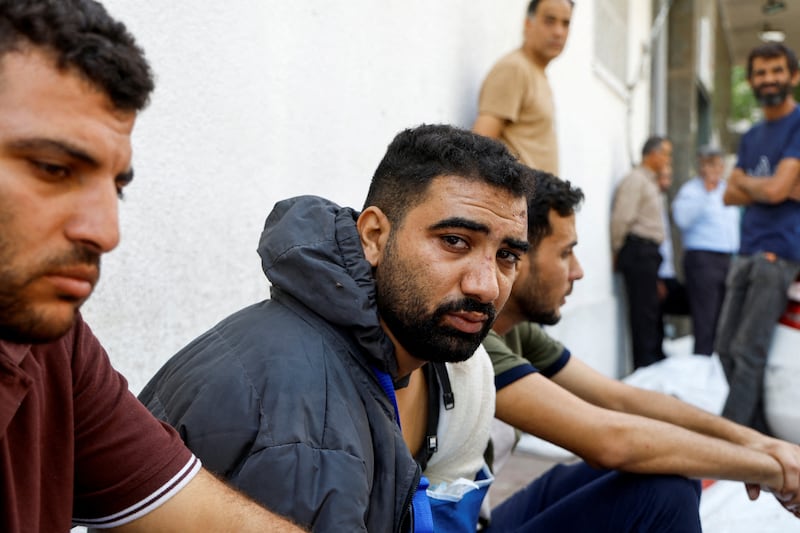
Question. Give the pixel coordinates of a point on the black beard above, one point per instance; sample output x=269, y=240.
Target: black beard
x=772, y=99
x=425, y=338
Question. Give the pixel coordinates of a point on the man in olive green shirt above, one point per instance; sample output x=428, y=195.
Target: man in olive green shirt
x=609, y=424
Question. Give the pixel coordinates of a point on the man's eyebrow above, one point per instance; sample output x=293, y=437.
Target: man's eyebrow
x=61, y=147
x=465, y=223
x=68, y=149
x=516, y=244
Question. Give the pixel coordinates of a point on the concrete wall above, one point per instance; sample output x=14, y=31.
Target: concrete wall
x=258, y=100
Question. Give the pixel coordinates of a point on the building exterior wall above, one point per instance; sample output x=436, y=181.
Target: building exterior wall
x=258, y=100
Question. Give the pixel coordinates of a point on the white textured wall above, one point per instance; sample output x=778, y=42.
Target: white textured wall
x=258, y=100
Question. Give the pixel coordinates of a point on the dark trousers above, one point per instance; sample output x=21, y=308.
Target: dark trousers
x=675, y=303
x=578, y=498
x=705, y=286
x=638, y=260
x=755, y=299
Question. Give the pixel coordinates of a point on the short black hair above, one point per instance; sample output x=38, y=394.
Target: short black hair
x=535, y=4
x=653, y=144
x=81, y=35
x=771, y=51
x=551, y=193
x=418, y=155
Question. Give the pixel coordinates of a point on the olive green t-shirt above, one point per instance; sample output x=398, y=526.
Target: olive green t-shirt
x=524, y=350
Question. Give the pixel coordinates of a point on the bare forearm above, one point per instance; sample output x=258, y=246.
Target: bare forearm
x=734, y=195
x=654, y=447
x=769, y=189
x=669, y=409
x=628, y=442
x=207, y=504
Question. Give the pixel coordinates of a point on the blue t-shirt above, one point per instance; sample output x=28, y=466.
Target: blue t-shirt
x=771, y=227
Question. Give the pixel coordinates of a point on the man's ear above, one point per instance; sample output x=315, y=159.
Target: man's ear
x=373, y=228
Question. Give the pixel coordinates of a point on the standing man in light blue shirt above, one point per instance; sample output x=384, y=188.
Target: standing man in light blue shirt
x=710, y=235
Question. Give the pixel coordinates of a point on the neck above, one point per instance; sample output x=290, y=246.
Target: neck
x=535, y=59
x=406, y=363
x=779, y=111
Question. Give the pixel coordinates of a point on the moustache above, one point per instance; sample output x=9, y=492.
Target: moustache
x=77, y=256
x=468, y=305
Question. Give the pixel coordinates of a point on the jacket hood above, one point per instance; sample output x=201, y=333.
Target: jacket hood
x=311, y=250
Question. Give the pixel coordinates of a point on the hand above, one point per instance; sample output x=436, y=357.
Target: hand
x=661, y=289
x=788, y=455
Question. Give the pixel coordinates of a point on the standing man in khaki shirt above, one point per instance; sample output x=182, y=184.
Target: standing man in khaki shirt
x=516, y=103
x=637, y=230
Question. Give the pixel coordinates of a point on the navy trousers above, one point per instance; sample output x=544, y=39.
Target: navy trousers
x=705, y=285
x=578, y=498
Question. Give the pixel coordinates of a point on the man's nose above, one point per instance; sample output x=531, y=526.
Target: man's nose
x=94, y=220
x=480, y=281
x=577, y=269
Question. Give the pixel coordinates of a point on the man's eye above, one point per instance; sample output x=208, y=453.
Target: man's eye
x=508, y=255
x=52, y=170
x=454, y=241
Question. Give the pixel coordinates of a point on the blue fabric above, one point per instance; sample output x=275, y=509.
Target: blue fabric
x=421, y=506
x=459, y=514
x=771, y=227
x=578, y=498
x=706, y=223
x=557, y=365
x=510, y=376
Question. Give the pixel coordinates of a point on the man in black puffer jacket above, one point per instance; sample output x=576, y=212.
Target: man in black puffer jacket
x=284, y=398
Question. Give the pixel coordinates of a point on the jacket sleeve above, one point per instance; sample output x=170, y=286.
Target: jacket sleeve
x=267, y=431
x=326, y=490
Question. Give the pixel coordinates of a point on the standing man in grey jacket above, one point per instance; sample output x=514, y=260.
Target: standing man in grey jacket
x=291, y=399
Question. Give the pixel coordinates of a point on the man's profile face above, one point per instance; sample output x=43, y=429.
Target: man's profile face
x=64, y=157
x=546, y=31
x=771, y=81
x=662, y=159
x=548, y=273
x=449, y=267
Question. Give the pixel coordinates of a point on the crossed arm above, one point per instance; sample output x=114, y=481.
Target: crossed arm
x=613, y=425
x=784, y=184
x=207, y=504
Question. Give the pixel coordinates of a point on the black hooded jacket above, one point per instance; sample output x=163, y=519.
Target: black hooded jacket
x=280, y=398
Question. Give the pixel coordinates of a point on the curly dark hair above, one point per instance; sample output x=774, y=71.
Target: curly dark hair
x=552, y=193
x=82, y=35
x=418, y=155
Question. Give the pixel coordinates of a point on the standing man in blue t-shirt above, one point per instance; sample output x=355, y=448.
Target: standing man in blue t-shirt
x=766, y=182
